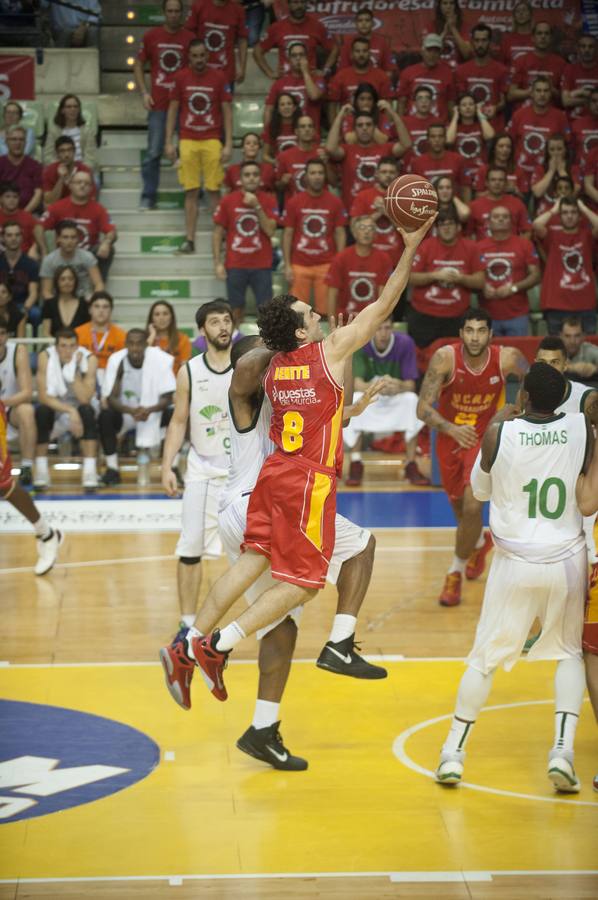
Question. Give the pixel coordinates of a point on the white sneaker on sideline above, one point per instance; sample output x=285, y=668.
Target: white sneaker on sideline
x=450, y=770
x=90, y=481
x=47, y=551
x=562, y=775
x=41, y=478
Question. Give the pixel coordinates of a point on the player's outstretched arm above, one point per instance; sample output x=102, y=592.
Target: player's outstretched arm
x=246, y=384
x=345, y=341
x=481, y=480
x=513, y=362
x=175, y=433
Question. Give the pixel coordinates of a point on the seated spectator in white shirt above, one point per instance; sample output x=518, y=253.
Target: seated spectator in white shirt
x=16, y=393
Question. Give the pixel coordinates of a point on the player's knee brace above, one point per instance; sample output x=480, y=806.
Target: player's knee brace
x=190, y=560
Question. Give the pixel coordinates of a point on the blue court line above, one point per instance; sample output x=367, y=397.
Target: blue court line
x=387, y=509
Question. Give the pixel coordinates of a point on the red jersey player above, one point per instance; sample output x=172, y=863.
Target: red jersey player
x=290, y=518
x=48, y=539
x=468, y=381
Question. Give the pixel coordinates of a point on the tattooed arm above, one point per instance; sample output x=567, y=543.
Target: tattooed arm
x=438, y=374
x=513, y=362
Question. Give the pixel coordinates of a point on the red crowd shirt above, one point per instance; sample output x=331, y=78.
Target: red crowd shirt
x=417, y=126
x=530, y=131
x=92, y=219
x=591, y=166
x=568, y=281
x=471, y=146
x=506, y=262
x=449, y=53
x=232, y=176
x=584, y=133
x=548, y=199
x=358, y=279
x=287, y=138
x=576, y=76
x=166, y=53
x=292, y=162
x=27, y=223
x=481, y=207
x=431, y=167
x=383, y=123
x=487, y=83
x=313, y=220
x=358, y=168
x=309, y=32
x=387, y=238
x=50, y=177
x=220, y=27
x=295, y=85
x=441, y=299
x=200, y=100
x=247, y=246
x=512, y=46
x=343, y=85
x=529, y=66
x=439, y=78
x=380, y=52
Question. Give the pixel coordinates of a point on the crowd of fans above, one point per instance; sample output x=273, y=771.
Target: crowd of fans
x=506, y=129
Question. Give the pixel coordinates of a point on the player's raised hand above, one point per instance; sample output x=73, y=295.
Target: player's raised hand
x=465, y=435
x=369, y=396
x=335, y=322
x=414, y=238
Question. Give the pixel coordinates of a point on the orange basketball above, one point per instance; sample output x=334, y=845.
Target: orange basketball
x=410, y=200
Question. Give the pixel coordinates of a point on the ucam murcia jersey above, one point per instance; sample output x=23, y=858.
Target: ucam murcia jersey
x=209, y=455
x=473, y=397
x=533, y=509
x=307, y=406
x=9, y=384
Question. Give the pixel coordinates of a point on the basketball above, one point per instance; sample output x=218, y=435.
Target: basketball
x=410, y=200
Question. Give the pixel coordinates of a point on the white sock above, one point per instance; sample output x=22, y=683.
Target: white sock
x=26, y=462
x=569, y=686
x=480, y=540
x=343, y=626
x=189, y=620
x=471, y=696
x=89, y=465
x=192, y=633
x=457, y=565
x=230, y=637
x=355, y=456
x=266, y=713
x=42, y=529
x=112, y=461
x=41, y=465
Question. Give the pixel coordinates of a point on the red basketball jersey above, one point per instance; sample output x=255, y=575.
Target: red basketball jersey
x=472, y=398
x=307, y=406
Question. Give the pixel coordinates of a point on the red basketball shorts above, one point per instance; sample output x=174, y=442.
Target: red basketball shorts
x=455, y=464
x=5, y=460
x=290, y=519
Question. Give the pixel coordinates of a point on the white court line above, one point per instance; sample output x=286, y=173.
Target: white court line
x=404, y=877
x=398, y=748
x=381, y=657
x=91, y=563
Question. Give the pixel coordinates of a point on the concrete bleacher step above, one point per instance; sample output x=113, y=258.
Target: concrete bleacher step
x=123, y=138
x=128, y=198
x=121, y=156
x=121, y=176
x=158, y=222
x=169, y=287
x=136, y=244
x=163, y=264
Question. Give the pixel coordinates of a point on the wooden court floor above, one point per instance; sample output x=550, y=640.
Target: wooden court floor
x=366, y=820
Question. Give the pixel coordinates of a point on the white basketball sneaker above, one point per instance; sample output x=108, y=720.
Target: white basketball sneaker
x=561, y=772
x=450, y=770
x=47, y=552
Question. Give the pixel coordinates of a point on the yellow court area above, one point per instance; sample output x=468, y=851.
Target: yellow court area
x=362, y=806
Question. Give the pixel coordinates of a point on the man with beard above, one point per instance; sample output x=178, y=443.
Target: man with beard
x=484, y=77
x=201, y=399
x=468, y=381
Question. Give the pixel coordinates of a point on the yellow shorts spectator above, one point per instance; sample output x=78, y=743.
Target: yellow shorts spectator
x=200, y=158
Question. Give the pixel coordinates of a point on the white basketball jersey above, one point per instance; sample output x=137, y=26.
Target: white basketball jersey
x=209, y=456
x=249, y=449
x=9, y=384
x=533, y=511
x=575, y=395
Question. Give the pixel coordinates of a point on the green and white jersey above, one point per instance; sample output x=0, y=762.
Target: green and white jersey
x=209, y=456
x=533, y=510
x=575, y=397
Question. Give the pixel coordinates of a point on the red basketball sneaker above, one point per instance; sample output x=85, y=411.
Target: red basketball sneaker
x=477, y=561
x=178, y=672
x=211, y=662
x=451, y=592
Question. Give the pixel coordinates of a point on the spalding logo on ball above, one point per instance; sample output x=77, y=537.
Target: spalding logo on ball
x=410, y=200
